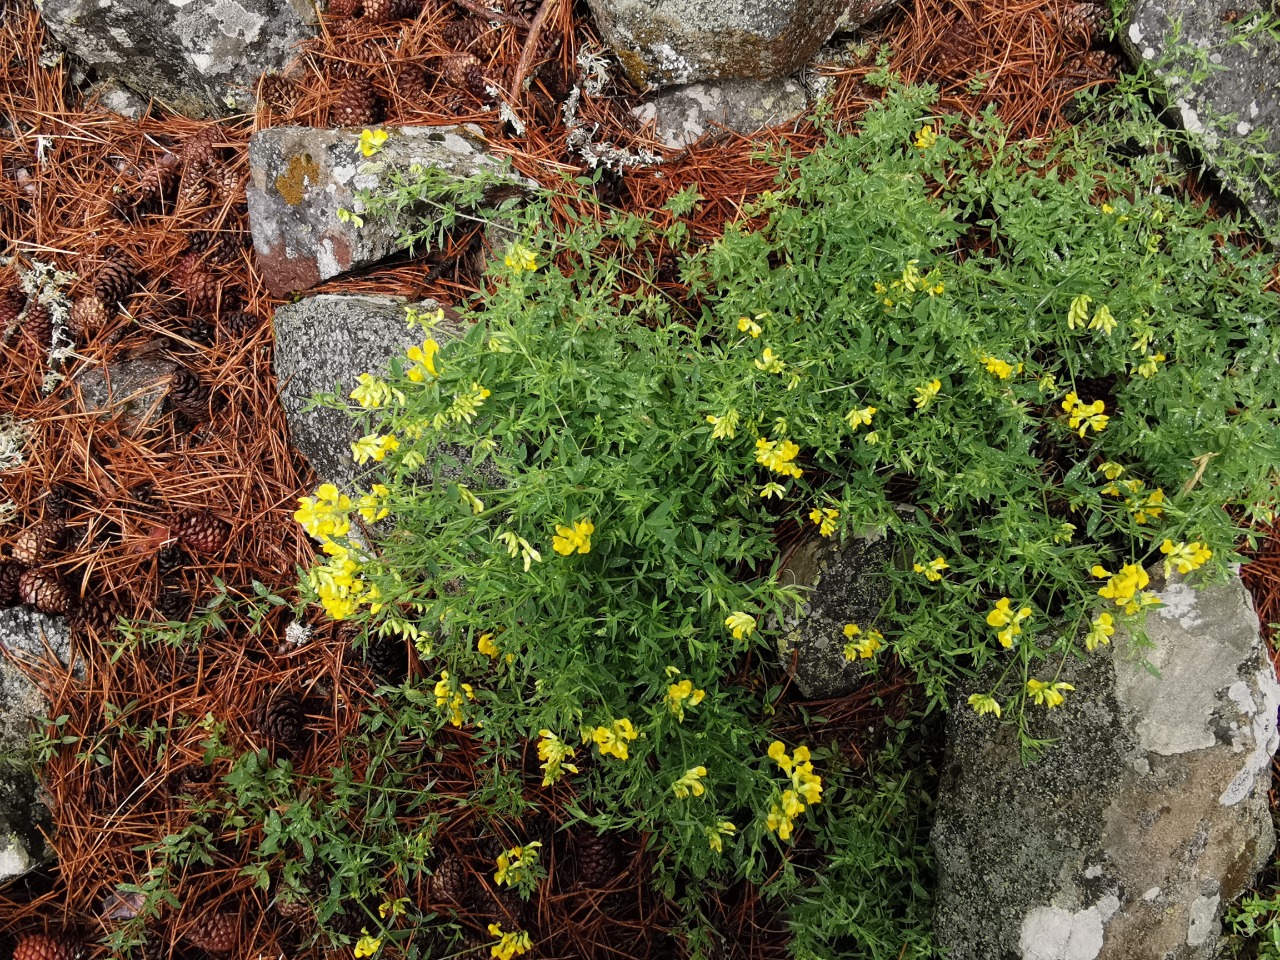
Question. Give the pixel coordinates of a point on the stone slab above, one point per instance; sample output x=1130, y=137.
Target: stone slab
x=683, y=115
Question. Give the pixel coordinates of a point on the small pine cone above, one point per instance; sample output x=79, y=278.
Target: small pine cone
x=597, y=857
x=451, y=882
x=44, y=947
x=293, y=907
x=548, y=43
x=407, y=9
x=343, y=9
x=144, y=493
x=44, y=590
x=197, y=284
x=1088, y=68
x=188, y=394
x=156, y=181
x=174, y=605
x=356, y=104
x=201, y=151
x=380, y=11
x=195, y=190
x=217, y=933
x=280, y=718
x=278, y=92
x=464, y=71
x=388, y=658
x=12, y=303
x=238, y=324
x=37, y=326
x=113, y=281
x=95, y=616
x=226, y=182
x=10, y=573
x=411, y=83
x=1082, y=22
x=459, y=35
x=86, y=319
x=39, y=542
x=170, y=557
x=202, y=532
x=528, y=9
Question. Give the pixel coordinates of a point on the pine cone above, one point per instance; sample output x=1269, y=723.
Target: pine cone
x=380, y=11
x=237, y=325
x=202, y=532
x=526, y=9
x=451, y=882
x=465, y=71
x=278, y=92
x=37, y=326
x=1086, y=69
x=343, y=9
x=41, y=946
x=10, y=572
x=95, y=616
x=1082, y=22
x=174, y=605
x=459, y=35
x=356, y=104
x=113, y=281
x=39, y=542
x=388, y=658
x=188, y=394
x=292, y=907
x=12, y=303
x=411, y=83
x=280, y=718
x=217, y=933
x=597, y=857
x=155, y=182
x=170, y=557
x=201, y=151
x=226, y=182
x=87, y=318
x=954, y=52
x=44, y=590
x=197, y=284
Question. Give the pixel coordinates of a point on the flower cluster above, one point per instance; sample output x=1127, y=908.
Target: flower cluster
x=465, y=406
x=324, y=515
x=1047, y=694
x=933, y=569
x=716, y=835
x=373, y=392
x=1126, y=588
x=805, y=789
x=984, y=703
x=925, y=139
x=825, y=518
x=690, y=783
x=373, y=505
x=1140, y=504
x=1078, y=315
x=577, y=537
x=338, y=585
x=371, y=141
x=373, y=447
x=872, y=640
x=367, y=946
x=741, y=624
x=1185, y=556
x=520, y=258
x=518, y=545
x=452, y=700
x=612, y=740
x=1000, y=368
x=1085, y=416
x=925, y=394
x=859, y=416
x=424, y=361
x=777, y=455
x=770, y=362
x=1005, y=617
x=509, y=945
x=751, y=327
x=680, y=695
x=1101, y=630
x=553, y=752
x=723, y=426
x=393, y=908
x=517, y=865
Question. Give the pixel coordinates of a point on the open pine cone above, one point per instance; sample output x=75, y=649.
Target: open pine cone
x=217, y=933
x=39, y=542
x=44, y=590
x=281, y=719
x=202, y=532
x=41, y=946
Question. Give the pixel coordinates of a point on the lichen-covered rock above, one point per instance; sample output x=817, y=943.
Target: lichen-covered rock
x=23, y=815
x=1145, y=818
x=1221, y=73
x=845, y=583
x=666, y=42
x=134, y=390
x=198, y=59
x=305, y=213
x=682, y=115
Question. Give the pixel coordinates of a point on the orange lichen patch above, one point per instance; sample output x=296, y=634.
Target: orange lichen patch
x=292, y=184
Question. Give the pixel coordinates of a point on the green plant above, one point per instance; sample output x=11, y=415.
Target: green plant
x=1036, y=365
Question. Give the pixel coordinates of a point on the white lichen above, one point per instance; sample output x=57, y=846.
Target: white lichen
x=45, y=284
x=581, y=140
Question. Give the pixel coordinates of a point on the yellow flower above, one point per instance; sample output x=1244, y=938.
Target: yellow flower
x=690, y=783
x=371, y=141
x=769, y=363
x=1125, y=588
x=806, y=788
x=509, y=945
x=577, y=537
x=1103, y=320
x=925, y=394
x=1085, y=416
x=932, y=570
x=516, y=544
x=1101, y=629
x=1064, y=533
x=859, y=417
x=424, y=358
x=372, y=392
x=486, y=646
x=520, y=258
x=612, y=740
x=1001, y=368
x=682, y=694
x=1110, y=470
x=373, y=504
x=925, y=138
x=1153, y=506
x=367, y=946
x=471, y=500
x=825, y=518
x=1150, y=365
x=723, y=426
x=777, y=455
x=983, y=704
x=452, y=700
x=1108, y=208
x=1185, y=556
x=716, y=835
x=750, y=326
x=1003, y=615
x=393, y=908
x=553, y=752
x=1047, y=694
x=464, y=406
x=1078, y=313
x=772, y=489
x=373, y=447
x=741, y=624
x=865, y=648
x=514, y=864
x=324, y=515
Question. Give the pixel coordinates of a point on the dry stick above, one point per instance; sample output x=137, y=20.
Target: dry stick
x=530, y=47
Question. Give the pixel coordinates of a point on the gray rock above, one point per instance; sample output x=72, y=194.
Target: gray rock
x=683, y=114
x=845, y=584
x=114, y=96
x=131, y=389
x=198, y=59
x=301, y=177
x=1222, y=75
x=667, y=42
x=1147, y=815
x=23, y=815
x=359, y=334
